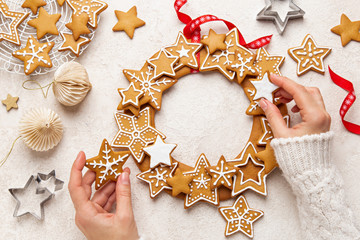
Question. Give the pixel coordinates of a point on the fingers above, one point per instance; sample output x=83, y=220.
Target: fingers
x=76, y=190
x=87, y=181
x=110, y=202
x=102, y=195
x=274, y=117
x=298, y=92
x=123, y=194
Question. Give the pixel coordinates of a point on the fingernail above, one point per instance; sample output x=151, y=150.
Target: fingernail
x=263, y=104
x=124, y=177
x=78, y=156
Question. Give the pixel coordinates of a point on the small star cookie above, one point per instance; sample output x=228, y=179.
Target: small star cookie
x=264, y=88
x=72, y=45
x=160, y=152
x=240, y=217
x=135, y=132
x=221, y=174
x=157, y=178
x=107, y=165
x=130, y=95
x=10, y=102
x=35, y=54
x=78, y=25
x=267, y=134
x=45, y=23
x=33, y=5
x=186, y=51
x=12, y=34
x=128, y=21
x=214, y=41
x=180, y=183
x=163, y=64
x=268, y=157
x=91, y=7
x=200, y=187
x=243, y=64
x=347, y=30
x=251, y=174
x=309, y=56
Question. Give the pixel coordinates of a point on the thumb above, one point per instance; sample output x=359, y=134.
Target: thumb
x=123, y=194
x=274, y=117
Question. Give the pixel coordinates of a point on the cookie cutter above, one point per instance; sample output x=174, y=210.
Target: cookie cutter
x=15, y=191
x=49, y=179
x=268, y=14
x=43, y=184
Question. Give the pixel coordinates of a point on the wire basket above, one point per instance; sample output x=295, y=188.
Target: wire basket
x=14, y=65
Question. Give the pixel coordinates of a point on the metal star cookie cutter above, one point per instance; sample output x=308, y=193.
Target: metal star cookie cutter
x=44, y=196
x=268, y=14
x=49, y=182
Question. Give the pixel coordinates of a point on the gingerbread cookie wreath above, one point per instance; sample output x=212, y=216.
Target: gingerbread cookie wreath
x=202, y=183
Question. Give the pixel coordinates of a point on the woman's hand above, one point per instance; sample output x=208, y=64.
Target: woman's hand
x=309, y=103
x=93, y=215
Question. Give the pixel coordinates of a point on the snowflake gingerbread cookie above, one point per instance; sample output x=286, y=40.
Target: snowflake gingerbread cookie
x=309, y=56
x=107, y=165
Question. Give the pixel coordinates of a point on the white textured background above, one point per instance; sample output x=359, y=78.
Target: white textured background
x=202, y=113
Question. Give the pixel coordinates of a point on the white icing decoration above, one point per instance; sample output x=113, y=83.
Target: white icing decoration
x=268, y=135
x=222, y=173
x=168, y=55
x=83, y=6
x=243, y=64
x=183, y=52
x=125, y=100
x=264, y=88
x=78, y=45
x=160, y=152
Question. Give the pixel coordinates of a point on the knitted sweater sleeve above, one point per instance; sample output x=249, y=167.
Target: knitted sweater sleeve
x=305, y=162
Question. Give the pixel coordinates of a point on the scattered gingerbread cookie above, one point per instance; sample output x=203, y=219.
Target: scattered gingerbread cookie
x=309, y=56
x=128, y=21
x=78, y=25
x=240, y=217
x=107, y=165
x=91, y=7
x=12, y=35
x=157, y=178
x=33, y=5
x=347, y=30
x=10, y=102
x=34, y=54
x=45, y=23
x=71, y=44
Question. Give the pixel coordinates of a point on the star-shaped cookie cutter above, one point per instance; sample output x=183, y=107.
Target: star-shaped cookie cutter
x=15, y=191
x=45, y=185
x=268, y=14
x=49, y=179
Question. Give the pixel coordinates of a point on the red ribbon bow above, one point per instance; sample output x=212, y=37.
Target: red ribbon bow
x=348, y=101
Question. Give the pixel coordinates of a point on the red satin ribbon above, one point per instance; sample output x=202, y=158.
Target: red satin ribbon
x=192, y=28
x=348, y=101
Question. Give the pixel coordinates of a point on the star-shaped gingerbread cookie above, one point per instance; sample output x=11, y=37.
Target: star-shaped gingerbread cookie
x=243, y=64
x=157, y=178
x=12, y=34
x=91, y=7
x=186, y=51
x=135, y=132
x=45, y=23
x=240, y=217
x=267, y=63
x=128, y=21
x=214, y=41
x=10, y=102
x=130, y=96
x=107, y=165
x=180, y=183
x=309, y=56
x=33, y=5
x=78, y=25
x=34, y=54
x=267, y=134
x=71, y=44
x=347, y=30
x=251, y=174
x=268, y=157
x=163, y=64
x=200, y=187
x=160, y=152
x=221, y=174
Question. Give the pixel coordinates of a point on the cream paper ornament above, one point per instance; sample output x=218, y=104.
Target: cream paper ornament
x=71, y=83
x=41, y=129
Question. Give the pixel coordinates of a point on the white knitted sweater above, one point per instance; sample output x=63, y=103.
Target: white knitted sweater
x=305, y=162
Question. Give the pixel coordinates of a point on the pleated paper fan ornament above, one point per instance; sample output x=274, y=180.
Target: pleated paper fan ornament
x=71, y=83
x=41, y=129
